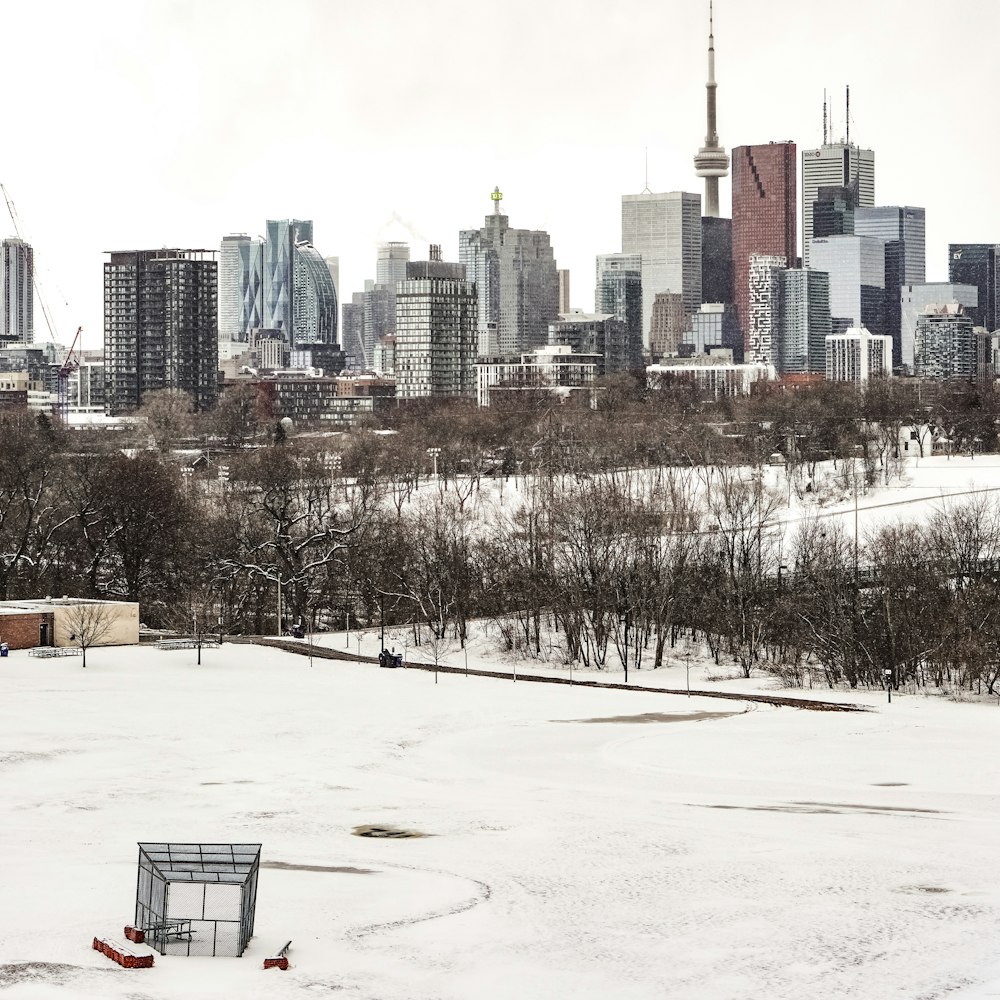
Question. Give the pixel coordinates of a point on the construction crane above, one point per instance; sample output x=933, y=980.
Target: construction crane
x=69, y=365
x=72, y=360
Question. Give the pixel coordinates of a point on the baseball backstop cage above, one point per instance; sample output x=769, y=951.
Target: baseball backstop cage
x=197, y=899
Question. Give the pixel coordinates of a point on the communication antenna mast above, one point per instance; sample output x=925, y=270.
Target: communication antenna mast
x=848, y=114
x=645, y=189
x=824, y=116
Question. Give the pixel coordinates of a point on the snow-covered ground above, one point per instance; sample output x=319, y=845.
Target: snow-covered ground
x=713, y=852
x=586, y=843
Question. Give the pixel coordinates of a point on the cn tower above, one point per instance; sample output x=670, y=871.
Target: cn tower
x=712, y=161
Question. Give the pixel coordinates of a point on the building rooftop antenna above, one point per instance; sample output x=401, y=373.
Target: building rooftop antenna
x=645, y=189
x=848, y=112
x=824, y=116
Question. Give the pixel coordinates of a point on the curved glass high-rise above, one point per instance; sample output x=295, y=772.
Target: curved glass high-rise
x=314, y=299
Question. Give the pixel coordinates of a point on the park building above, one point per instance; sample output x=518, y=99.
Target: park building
x=857, y=355
x=54, y=623
x=556, y=369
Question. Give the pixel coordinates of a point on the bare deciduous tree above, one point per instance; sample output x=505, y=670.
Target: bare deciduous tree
x=88, y=624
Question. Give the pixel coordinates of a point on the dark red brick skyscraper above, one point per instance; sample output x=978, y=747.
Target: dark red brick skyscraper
x=764, y=213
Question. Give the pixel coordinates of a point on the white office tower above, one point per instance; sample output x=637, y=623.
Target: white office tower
x=665, y=230
x=858, y=355
x=834, y=164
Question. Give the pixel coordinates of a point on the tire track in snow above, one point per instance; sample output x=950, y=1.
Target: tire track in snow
x=483, y=893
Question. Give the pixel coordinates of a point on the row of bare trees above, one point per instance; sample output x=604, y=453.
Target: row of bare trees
x=534, y=524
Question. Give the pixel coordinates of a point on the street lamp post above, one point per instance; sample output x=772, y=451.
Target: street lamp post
x=687, y=669
x=888, y=683
x=434, y=452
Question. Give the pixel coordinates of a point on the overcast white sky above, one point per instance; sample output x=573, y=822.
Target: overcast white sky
x=172, y=123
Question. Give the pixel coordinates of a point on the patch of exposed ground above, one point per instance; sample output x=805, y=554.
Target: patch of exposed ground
x=339, y=869
x=645, y=717
x=386, y=832
x=829, y=808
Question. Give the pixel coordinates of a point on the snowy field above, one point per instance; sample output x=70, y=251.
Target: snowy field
x=571, y=851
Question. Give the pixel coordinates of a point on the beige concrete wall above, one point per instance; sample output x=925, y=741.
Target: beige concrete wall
x=124, y=619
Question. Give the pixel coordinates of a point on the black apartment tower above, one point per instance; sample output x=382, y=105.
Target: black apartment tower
x=160, y=326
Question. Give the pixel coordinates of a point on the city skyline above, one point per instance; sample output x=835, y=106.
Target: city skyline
x=368, y=176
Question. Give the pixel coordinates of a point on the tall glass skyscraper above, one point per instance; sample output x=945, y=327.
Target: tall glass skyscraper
x=764, y=217
x=314, y=298
x=978, y=264
x=834, y=164
x=299, y=298
x=805, y=321
x=17, y=293
x=665, y=230
x=516, y=280
x=618, y=293
x=241, y=287
x=279, y=271
x=902, y=230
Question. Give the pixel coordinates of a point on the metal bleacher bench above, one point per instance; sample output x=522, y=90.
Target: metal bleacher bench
x=47, y=651
x=187, y=644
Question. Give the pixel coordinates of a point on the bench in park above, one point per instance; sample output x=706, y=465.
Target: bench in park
x=187, y=644
x=172, y=930
x=48, y=651
x=279, y=960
